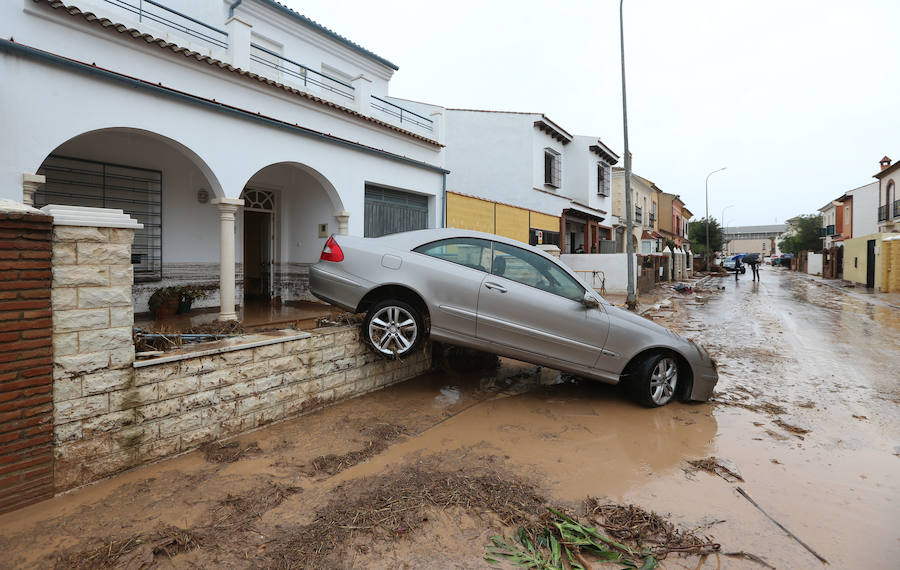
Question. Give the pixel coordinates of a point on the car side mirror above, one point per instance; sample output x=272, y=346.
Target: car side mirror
x=590, y=301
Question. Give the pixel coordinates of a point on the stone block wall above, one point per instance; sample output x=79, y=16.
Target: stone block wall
x=174, y=406
x=26, y=400
x=111, y=413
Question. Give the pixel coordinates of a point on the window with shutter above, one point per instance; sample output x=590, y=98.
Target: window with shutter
x=552, y=168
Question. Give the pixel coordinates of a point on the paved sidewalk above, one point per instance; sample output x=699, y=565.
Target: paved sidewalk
x=858, y=291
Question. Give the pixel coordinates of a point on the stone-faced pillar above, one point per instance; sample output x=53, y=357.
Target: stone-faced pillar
x=343, y=220
x=227, y=208
x=31, y=183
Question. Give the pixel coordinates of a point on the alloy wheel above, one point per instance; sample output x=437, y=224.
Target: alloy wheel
x=393, y=330
x=663, y=380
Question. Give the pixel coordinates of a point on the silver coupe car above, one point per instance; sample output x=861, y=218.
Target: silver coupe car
x=502, y=296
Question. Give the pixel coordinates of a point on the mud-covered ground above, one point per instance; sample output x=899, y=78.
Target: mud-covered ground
x=806, y=421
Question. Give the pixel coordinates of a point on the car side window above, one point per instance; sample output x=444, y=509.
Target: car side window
x=529, y=268
x=471, y=252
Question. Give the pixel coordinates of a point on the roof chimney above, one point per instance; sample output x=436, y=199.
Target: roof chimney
x=885, y=163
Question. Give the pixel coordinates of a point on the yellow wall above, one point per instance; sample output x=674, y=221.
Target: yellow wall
x=541, y=221
x=856, y=248
x=890, y=266
x=470, y=213
x=485, y=216
x=512, y=222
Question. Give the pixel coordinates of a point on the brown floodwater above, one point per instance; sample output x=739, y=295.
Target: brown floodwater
x=807, y=412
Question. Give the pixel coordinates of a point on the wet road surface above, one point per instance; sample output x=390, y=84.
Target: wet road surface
x=807, y=412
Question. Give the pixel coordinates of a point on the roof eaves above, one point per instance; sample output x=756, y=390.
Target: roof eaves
x=150, y=39
x=554, y=130
x=331, y=34
x=887, y=170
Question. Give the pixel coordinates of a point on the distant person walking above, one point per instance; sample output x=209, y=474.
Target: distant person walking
x=737, y=266
x=753, y=262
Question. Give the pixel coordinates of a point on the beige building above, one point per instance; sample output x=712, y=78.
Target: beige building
x=645, y=209
x=889, y=196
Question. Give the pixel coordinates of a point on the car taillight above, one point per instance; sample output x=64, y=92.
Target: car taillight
x=332, y=251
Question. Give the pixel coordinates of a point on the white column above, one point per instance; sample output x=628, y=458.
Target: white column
x=238, y=42
x=437, y=126
x=227, y=208
x=343, y=220
x=31, y=183
x=362, y=94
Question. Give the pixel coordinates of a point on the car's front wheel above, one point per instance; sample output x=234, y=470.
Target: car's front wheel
x=655, y=380
x=393, y=328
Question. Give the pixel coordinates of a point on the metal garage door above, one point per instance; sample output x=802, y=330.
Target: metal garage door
x=392, y=211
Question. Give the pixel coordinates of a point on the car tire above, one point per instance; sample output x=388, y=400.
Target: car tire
x=393, y=328
x=654, y=382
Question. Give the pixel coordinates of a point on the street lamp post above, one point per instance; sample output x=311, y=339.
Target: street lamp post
x=707, y=213
x=629, y=246
x=723, y=226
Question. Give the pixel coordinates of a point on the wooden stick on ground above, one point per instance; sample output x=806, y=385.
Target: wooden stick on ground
x=782, y=527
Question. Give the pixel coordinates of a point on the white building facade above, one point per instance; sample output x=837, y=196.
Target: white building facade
x=241, y=135
x=524, y=176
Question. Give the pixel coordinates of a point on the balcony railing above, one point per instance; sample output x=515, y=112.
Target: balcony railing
x=882, y=213
x=829, y=230
x=150, y=11
x=403, y=114
x=299, y=72
x=897, y=208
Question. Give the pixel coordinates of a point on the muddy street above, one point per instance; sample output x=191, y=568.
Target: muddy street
x=805, y=421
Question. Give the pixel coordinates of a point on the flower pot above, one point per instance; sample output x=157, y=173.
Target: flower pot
x=167, y=308
x=184, y=305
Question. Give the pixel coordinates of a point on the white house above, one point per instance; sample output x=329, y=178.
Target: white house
x=240, y=134
x=864, y=220
x=523, y=176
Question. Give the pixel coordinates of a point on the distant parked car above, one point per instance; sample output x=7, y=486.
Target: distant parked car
x=771, y=259
x=505, y=297
x=731, y=261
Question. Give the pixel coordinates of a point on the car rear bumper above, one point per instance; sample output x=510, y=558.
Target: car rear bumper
x=339, y=289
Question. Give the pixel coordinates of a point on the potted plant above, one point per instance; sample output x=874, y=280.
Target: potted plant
x=164, y=301
x=187, y=297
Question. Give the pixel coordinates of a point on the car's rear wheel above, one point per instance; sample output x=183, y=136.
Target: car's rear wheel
x=655, y=380
x=393, y=328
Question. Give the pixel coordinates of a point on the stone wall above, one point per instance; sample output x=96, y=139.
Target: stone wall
x=26, y=401
x=177, y=403
x=112, y=413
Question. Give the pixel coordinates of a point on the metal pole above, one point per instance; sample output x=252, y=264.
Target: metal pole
x=629, y=246
x=724, y=233
x=707, y=214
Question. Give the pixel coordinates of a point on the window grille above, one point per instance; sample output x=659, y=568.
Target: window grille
x=552, y=168
x=135, y=191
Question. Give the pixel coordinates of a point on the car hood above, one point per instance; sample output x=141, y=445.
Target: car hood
x=625, y=315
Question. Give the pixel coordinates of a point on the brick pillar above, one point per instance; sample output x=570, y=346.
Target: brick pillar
x=93, y=349
x=26, y=384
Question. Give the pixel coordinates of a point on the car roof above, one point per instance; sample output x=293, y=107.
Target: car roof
x=413, y=239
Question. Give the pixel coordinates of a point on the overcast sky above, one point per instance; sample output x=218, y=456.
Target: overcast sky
x=799, y=99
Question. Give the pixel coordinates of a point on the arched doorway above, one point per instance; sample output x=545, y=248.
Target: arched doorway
x=288, y=213
x=158, y=181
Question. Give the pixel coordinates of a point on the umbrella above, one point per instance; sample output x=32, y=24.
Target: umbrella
x=750, y=258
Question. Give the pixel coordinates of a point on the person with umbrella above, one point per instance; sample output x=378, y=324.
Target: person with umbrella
x=752, y=259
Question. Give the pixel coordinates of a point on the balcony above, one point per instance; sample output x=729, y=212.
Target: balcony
x=883, y=213
x=405, y=116
x=298, y=74
x=195, y=34
x=159, y=20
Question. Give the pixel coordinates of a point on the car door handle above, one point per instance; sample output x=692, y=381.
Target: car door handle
x=495, y=286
